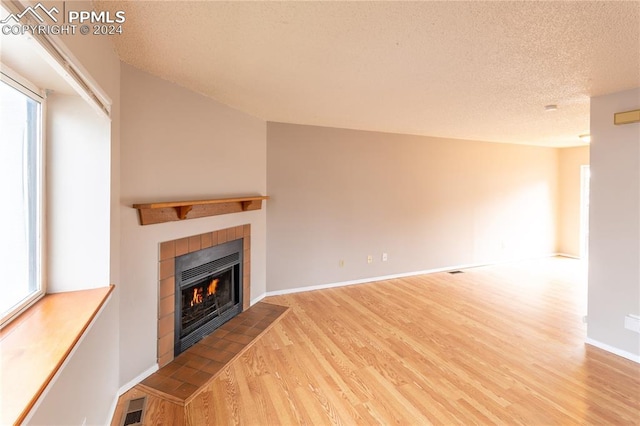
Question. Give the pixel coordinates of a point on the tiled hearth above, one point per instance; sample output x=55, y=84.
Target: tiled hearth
x=170, y=389
x=182, y=378
x=169, y=250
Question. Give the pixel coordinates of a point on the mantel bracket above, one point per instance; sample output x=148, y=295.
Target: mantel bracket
x=183, y=211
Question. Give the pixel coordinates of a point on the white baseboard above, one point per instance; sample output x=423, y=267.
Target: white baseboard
x=394, y=276
x=140, y=377
x=257, y=299
x=131, y=383
x=372, y=279
x=114, y=405
x=570, y=256
x=624, y=354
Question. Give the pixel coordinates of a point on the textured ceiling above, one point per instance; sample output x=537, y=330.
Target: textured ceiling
x=469, y=70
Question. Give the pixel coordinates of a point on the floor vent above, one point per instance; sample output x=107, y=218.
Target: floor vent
x=135, y=412
x=456, y=272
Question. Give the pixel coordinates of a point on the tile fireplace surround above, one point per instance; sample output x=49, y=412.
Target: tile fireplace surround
x=169, y=250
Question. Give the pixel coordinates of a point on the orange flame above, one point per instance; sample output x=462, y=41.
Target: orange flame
x=212, y=287
x=197, y=296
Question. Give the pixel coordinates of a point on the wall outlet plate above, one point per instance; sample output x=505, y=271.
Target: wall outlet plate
x=632, y=322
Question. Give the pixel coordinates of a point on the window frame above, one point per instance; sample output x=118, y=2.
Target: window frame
x=24, y=86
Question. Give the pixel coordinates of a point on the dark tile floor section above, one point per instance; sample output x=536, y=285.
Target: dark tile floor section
x=192, y=369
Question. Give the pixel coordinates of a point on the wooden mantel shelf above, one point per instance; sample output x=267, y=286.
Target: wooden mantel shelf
x=179, y=210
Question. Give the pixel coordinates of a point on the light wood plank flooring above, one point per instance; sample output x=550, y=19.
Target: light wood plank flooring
x=493, y=345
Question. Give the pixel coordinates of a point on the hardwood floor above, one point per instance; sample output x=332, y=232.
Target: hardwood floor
x=500, y=344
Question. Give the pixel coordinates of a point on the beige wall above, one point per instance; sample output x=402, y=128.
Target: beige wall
x=96, y=55
x=427, y=202
x=78, y=181
x=614, y=240
x=570, y=161
x=178, y=145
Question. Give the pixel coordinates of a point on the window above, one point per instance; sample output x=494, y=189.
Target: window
x=21, y=170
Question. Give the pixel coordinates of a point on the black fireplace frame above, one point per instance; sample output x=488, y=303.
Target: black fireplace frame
x=196, y=266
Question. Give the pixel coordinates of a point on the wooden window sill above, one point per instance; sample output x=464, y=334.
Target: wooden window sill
x=34, y=346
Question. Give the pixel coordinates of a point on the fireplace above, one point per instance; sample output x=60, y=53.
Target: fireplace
x=208, y=291
x=167, y=291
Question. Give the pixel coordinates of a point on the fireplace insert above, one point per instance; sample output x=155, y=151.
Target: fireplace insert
x=208, y=292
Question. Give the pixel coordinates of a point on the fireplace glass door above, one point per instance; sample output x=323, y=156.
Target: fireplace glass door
x=209, y=290
x=206, y=299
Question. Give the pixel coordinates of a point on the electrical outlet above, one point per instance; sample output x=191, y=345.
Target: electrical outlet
x=369, y=259
x=632, y=322
x=385, y=257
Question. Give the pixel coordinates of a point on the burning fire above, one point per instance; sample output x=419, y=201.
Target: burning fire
x=197, y=292
x=212, y=287
x=197, y=296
